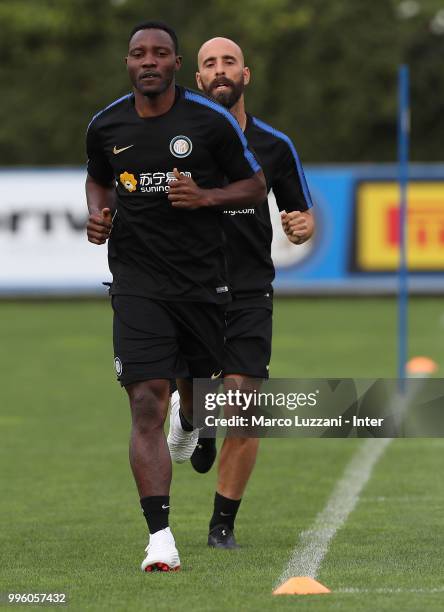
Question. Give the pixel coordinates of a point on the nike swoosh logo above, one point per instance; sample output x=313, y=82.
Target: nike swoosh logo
x=164, y=507
x=214, y=376
x=116, y=151
x=225, y=514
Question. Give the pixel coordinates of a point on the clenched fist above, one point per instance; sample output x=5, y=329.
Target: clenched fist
x=99, y=226
x=297, y=225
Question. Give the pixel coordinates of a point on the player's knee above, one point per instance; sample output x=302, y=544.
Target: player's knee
x=147, y=416
x=148, y=408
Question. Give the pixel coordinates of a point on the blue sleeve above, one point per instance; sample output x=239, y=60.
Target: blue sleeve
x=232, y=152
x=289, y=183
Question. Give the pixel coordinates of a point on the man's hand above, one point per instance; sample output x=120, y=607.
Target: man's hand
x=184, y=193
x=99, y=226
x=297, y=225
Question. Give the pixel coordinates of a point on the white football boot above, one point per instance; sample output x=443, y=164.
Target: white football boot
x=181, y=443
x=161, y=553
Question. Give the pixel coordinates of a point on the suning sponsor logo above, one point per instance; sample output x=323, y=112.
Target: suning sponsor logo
x=152, y=182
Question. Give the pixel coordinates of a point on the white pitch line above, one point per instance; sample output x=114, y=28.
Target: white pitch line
x=313, y=546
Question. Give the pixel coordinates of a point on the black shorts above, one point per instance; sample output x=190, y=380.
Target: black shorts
x=159, y=339
x=248, y=340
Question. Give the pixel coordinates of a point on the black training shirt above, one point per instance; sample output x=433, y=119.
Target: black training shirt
x=156, y=250
x=249, y=231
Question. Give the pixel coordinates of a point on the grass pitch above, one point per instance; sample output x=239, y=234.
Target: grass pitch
x=70, y=519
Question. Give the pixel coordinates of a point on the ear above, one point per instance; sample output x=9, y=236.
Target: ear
x=199, y=81
x=247, y=75
x=178, y=62
x=125, y=59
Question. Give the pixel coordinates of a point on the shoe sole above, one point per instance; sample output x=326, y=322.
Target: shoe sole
x=180, y=459
x=203, y=469
x=221, y=546
x=172, y=451
x=161, y=567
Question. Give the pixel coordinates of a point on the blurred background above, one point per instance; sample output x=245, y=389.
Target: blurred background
x=323, y=72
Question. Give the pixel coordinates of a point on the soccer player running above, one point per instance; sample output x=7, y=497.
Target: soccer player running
x=223, y=75
x=158, y=159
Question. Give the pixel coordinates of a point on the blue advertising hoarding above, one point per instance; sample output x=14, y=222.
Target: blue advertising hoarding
x=356, y=213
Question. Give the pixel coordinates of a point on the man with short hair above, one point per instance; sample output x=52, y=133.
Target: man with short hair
x=160, y=158
x=223, y=75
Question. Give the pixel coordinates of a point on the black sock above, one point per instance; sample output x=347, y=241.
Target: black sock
x=186, y=426
x=156, y=509
x=225, y=511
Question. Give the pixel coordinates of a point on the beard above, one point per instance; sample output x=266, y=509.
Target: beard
x=226, y=97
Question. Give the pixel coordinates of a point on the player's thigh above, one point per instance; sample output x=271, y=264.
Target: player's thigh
x=145, y=341
x=201, y=333
x=247, y=348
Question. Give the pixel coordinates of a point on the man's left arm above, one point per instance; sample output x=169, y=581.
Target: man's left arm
x=185, y=193
x=292, y=194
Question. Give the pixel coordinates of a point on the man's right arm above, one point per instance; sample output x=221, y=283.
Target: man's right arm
x=101, y=205
x=100, y=188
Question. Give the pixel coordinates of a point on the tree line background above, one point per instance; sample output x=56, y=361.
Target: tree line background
x=323, y=71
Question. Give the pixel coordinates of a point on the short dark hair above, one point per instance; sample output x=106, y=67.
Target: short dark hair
x=157, y=25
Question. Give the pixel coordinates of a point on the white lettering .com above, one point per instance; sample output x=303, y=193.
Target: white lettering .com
x=247, y=399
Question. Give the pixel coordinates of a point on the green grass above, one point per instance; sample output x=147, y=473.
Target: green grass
x=69, y=510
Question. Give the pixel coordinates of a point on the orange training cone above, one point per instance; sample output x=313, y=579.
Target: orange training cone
x=301, y=585
x=418, y=366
